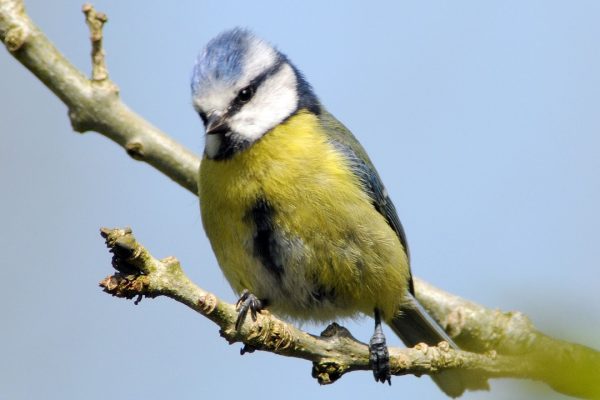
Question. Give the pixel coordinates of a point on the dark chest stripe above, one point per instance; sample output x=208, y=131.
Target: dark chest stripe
x=266, y=243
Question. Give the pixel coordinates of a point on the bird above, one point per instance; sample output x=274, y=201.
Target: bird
x=294, y=209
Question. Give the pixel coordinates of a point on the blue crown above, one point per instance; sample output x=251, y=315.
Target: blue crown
x=222, y=59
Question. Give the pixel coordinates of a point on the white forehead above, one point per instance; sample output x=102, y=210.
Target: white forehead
x=216, y=90
x=259, y=57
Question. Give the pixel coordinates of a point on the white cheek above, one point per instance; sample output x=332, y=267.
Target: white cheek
x=212, y=145
x=274, y=101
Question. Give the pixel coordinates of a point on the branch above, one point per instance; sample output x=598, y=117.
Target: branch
x=513, y=347
x=333, y=354
x=94, y=105
x=568, y=368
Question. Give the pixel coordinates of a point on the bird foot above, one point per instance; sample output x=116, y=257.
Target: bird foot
x=247, y=302
x=380, y=357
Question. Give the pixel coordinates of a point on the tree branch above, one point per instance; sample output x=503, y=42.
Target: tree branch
x=568, y=368
x=333, y=354
x=94, y=105
x=512, y=347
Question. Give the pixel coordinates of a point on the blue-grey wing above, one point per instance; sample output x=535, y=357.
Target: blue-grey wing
x=362, y=166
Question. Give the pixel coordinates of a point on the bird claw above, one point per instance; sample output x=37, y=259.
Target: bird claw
x=247, y=302
x=380, y=356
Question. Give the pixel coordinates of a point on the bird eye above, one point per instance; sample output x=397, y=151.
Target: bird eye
x=245, y=94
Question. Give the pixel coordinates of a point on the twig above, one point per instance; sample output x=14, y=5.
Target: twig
x=94, y=105
x=95, y=22
x=333, y=354
x=568, y=368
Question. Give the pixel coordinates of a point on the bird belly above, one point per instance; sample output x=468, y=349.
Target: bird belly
x=288, y=221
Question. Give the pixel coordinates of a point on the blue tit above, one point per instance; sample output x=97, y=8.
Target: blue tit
x=295, y=211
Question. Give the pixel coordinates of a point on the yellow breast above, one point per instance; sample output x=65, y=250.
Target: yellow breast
x=341, y=258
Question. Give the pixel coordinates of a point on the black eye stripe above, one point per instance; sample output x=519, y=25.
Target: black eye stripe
x=255, y=83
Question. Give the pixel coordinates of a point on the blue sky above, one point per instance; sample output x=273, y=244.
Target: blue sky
x=482, y=118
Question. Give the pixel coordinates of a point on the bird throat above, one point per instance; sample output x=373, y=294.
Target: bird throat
x=223, y=146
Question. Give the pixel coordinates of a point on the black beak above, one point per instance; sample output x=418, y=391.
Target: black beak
x=216, y=124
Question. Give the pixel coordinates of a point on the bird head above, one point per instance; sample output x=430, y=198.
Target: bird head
x=242, y=87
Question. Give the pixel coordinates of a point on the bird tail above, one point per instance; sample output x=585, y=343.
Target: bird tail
x=414, y=325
